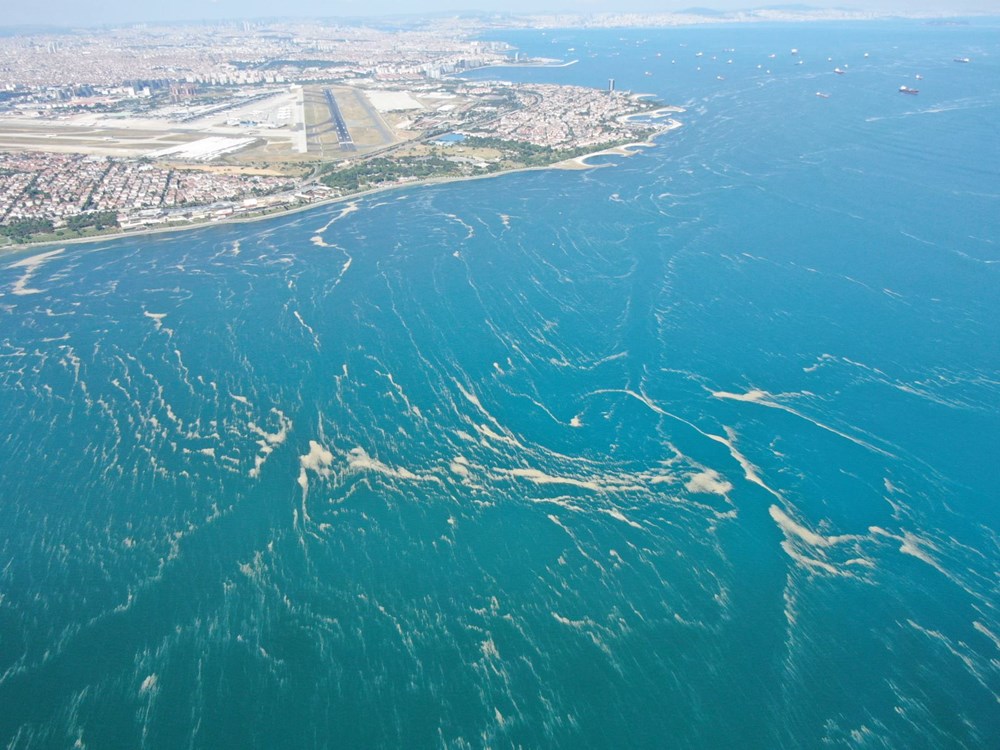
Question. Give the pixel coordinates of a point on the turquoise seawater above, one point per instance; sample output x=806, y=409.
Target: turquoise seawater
x=698, y=450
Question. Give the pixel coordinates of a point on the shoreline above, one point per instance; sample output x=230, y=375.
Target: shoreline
x=572, y=164
x=525, y=65
x=626, y=149
x=460, y=73
x=658, y=114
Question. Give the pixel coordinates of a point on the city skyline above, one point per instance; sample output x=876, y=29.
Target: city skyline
x=61, y=13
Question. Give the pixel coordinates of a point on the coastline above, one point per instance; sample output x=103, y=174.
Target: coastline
x=573, y=164
x=626, y=149
x=658, y=114
x=529, y=64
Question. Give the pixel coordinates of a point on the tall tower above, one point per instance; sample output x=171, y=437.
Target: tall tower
x=611, y=85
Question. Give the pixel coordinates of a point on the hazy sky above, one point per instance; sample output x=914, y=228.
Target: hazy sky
x=67, y=12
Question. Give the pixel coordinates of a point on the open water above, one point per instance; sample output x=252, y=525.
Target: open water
x=700, y=450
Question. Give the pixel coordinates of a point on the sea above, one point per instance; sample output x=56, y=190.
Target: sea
x=697, y=448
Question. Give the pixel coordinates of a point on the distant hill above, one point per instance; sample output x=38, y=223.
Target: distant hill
x=701, y=12
x=797, y=7
x=791, y=7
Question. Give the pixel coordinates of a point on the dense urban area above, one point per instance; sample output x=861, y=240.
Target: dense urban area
x=136, y=127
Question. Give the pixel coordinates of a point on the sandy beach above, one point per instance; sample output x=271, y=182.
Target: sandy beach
x=627, y=149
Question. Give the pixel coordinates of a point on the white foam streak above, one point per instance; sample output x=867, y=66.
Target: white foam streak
x=31, y=265
x=793, y=528
x=317, y=460
x=348, y=209
x=709, y=482
x=763, y=398
x=269, y=440
x=540, y=477
x=987, y=632
x=914, y=546
x=959, y=651
x=359, y=460
x=798, y=536
x=149, y=685
x=36, y=260
x=809, y=562
x=619, y=516
x=308, y=327
x=470, y=232
x=157, y=318
x=749, y=470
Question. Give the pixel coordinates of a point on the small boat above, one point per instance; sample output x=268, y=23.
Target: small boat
x=822, y=95
x=838, y=71
x=908, y=90
x=794, y=51
x=962, y=59
x=720, y=78
x=919, y=77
